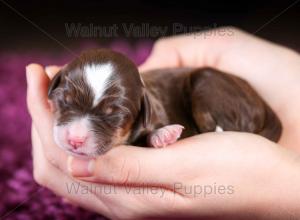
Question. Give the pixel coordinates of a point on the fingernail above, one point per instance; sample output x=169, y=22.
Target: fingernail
x=80, y=167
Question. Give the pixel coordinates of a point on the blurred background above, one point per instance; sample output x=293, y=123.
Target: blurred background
x=19, y=20
x=50, y=32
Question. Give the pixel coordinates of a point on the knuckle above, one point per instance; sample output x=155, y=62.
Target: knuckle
x=160, y=43
x=123, y=170
x=130, y=171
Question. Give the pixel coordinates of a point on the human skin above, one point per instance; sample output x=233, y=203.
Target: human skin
x=264, y=175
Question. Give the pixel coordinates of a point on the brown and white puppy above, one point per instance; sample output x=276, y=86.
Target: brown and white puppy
x=100, y=101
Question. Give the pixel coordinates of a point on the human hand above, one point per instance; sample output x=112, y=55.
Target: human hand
x=273, y=70
x=215, y=176
x=222, y=175
x=125, y=160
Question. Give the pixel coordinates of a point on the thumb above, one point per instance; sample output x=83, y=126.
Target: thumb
x=39, y=108
x=37, y=100
x=128, y=165
x=37, y=86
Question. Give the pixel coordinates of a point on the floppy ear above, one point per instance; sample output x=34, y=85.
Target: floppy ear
x=54, y=83
x=146, y=110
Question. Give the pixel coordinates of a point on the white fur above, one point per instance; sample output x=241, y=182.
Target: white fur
x=219, y=129
x=79, y=126
x=97, y=76
x=142, y=80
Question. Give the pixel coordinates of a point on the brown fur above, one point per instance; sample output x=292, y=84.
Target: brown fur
x=202, y=98
x=199, y=99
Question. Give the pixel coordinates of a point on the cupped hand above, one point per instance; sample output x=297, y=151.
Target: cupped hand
x=273, y=70
x=245, y=173
x=222, y=174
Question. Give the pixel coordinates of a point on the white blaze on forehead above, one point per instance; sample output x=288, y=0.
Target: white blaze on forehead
x=97, y=76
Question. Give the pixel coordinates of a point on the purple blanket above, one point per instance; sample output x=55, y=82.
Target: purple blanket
x=20, y=196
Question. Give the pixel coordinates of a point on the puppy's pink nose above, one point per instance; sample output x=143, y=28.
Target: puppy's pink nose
x=77, y=133
x=76, y=142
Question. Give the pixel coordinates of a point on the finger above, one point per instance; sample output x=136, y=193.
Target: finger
x=37, y=101
x=121, y=165
x=141, y=202
x=163, y=55
x=52, y=70
x=103, y=199
x=37, y=86
x=134, y=165
x=199, y=49
x=41, y=156
x=52, y=178
x=107, y=200
x=166, y=53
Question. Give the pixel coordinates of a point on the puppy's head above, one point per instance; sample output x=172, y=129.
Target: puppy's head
x=97, y=98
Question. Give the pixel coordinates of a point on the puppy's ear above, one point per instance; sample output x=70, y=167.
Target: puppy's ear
x=146, y=110
x=54, y=83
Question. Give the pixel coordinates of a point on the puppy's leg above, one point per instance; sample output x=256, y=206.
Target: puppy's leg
x=165, y=136
x=221, y=101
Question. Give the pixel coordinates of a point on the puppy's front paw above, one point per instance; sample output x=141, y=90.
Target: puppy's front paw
x=165, y=136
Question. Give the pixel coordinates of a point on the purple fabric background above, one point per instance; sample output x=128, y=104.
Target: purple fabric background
x=20, y=196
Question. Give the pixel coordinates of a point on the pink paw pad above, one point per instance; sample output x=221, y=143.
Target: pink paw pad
x=165, y=136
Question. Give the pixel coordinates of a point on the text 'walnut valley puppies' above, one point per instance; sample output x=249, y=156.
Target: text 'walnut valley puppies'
x=100, y=101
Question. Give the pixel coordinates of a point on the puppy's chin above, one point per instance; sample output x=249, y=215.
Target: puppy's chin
x=80, y=155
x=83, y=155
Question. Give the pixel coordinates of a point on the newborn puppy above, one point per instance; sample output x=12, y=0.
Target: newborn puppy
x=100, y=100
